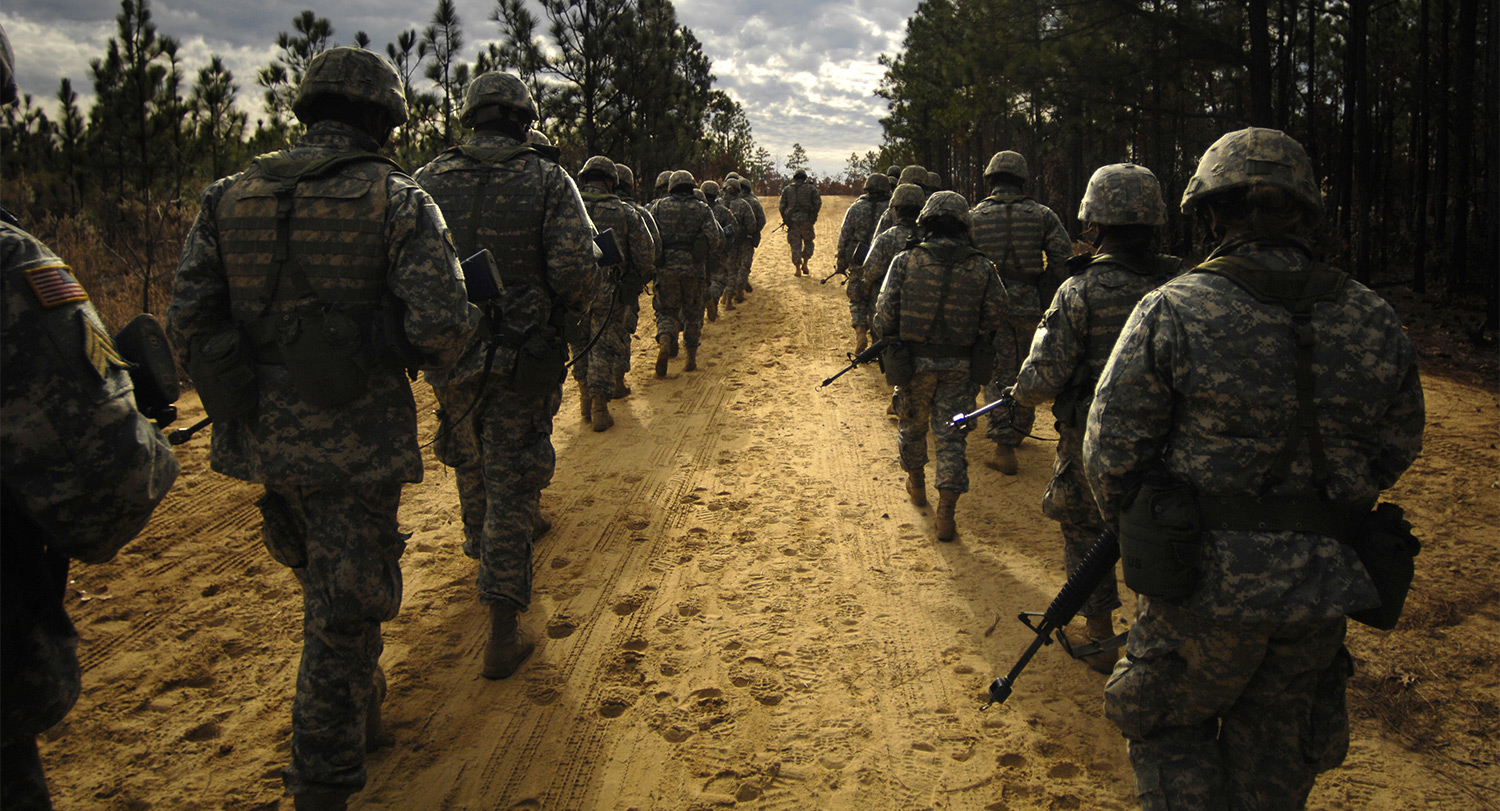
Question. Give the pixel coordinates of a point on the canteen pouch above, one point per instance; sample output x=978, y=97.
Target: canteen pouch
x=541, y=365
x=224, y=373
x=1161, y=537
x=1387, y=549
x=897, y=363
x=982, y=361
x=322, y=352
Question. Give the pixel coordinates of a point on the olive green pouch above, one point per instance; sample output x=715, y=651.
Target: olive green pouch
x=897, y=363
x=223, y=371
x=982, y=361
x=1161, y=537
x=322, y=352
x=541, y=365
x=1387, y=549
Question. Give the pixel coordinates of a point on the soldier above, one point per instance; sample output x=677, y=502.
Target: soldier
x=855, y=236
x=1274, y=398
x=631, y=285
x=746, y=233
x=723, y=264
x=82, y=471
x=934, y=183
x=1024, y=239
x=916, y=176
x=747, y=189
x=800, y=204
x=894, y=173
x=662, y=181
x=942, y=301
x=906, y=203
x=600, y=364
x=511, y=198
x=1123, y=201
x=689, y=233
x=306, y=284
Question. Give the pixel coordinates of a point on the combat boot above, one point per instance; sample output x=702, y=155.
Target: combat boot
x=947, y=528
x=321, y=799
x=1101, y=628
x=601, y=417
x=861, y=338
x=661, y=360
x=376, y=735
x=796, y=266
x=747, y=289
x=509, y=643
x=621, y=389
x=692, y=361
x=1004, y=460
x=713, y=309
x=916, y=487
x=585, y=403
x=673, y=345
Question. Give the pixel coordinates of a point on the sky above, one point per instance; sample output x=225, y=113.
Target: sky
x=804, y=71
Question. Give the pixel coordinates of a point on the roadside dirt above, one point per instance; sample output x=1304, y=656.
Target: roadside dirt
x=736, y=607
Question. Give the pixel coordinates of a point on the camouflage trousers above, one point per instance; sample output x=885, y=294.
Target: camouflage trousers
x=723, y=273
x=1069, y=501
x=859, y=305
x=344, y=546
x=679, y=299
x=799, y=235
x=747, y=258
x=624, y=326
x=501, y=454
x=933, y=398
x=595, y=366
x=1227, y=715
x=1012, y=343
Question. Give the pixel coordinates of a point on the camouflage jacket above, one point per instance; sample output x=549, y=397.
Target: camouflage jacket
x=800, y=202
x=1079, y=330
x=745, y=228
x=858, y=229
x=527, y=212
x=82, y=470
x=729, y=226
x=637, y=246
x=1023, y=238
x=374, y=438
x=689, y=233
x=940, y=294
x=872, y=274
x=1201, y=384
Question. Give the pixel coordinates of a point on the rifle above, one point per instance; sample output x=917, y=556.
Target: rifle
x=870, y=354
x=1097, y=564
x=843, y=273
x=182, y=435
x=779, y=227
x=965, y=422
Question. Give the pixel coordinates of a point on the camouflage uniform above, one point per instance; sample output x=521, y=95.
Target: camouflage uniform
x=601, y=364
x=914, y=175
x=746, y=234
x=83, y=469
x=888, y=243
x=689, y=234
x=367, y=242
x=856, y=235
x=748, y=257
x=723, y=264
x=523, y=207
x=1235, y=697
x=631, y=287
x=799, y=205
x=1069, y=352
x=1024, y=239
x=940, y=298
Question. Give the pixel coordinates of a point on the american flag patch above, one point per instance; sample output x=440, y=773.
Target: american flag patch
x=54, y=285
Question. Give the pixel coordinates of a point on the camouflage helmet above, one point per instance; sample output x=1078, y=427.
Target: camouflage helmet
x=8, y=90
x=599, y=165
x=663, y=179
x=893, y=172
x=1251, y=157
x=354, y=74
x=934, y=181
x=747, y=186
x=495, y=89
x=710, y=188
x=681, y=177
x=914, y=174
x=878, y=183
x=1123, y=194
x=908, y=195
x=946, y=204
x=1008, y=163
x=698, y=193
x=626, y=181
x=800, y=174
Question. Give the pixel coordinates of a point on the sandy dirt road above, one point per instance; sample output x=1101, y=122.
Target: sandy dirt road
x=736, y=607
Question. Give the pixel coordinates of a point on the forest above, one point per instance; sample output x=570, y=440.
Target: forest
x=1396, y=102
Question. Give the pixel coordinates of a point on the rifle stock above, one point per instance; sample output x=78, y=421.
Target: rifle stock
x=1096, y=565
x=870, y=354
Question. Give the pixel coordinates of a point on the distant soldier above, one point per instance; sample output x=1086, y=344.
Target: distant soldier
x=82, y=470
x=942, y=302
x=631, y=286
x=1251, y=414
x=800, y=204
x=723, y=264
x=307, y=283
x=600, y=362
x=894, y=173
x=662, y=181
x=1024, y=239
x=746, y=234
x=855, y=237
x=747, y=189
x=916, y=176
x=1124, y=203
x=934, y=183
x=508, y=196
x=689, y=233
x=906, y=203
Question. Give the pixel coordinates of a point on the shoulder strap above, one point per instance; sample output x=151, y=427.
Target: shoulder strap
x=1297, y=291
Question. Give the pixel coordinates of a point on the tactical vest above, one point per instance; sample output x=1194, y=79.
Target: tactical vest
x=928, y=301
x=1011, y=236
x=494, y=198
x=800, y=202
x=680, y=220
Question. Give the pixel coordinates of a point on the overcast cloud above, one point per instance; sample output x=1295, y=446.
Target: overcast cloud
x=804, y=71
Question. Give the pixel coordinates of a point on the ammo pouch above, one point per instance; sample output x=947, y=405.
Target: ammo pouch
x=1386, y=547
x=897, y=363
x=982, y=361
x=541, y=365
x=1161, y=539
x=223, y=371
x=321, y=349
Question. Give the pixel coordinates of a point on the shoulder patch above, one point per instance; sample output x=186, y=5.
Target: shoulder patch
x=55, y=286
x=100, y=349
